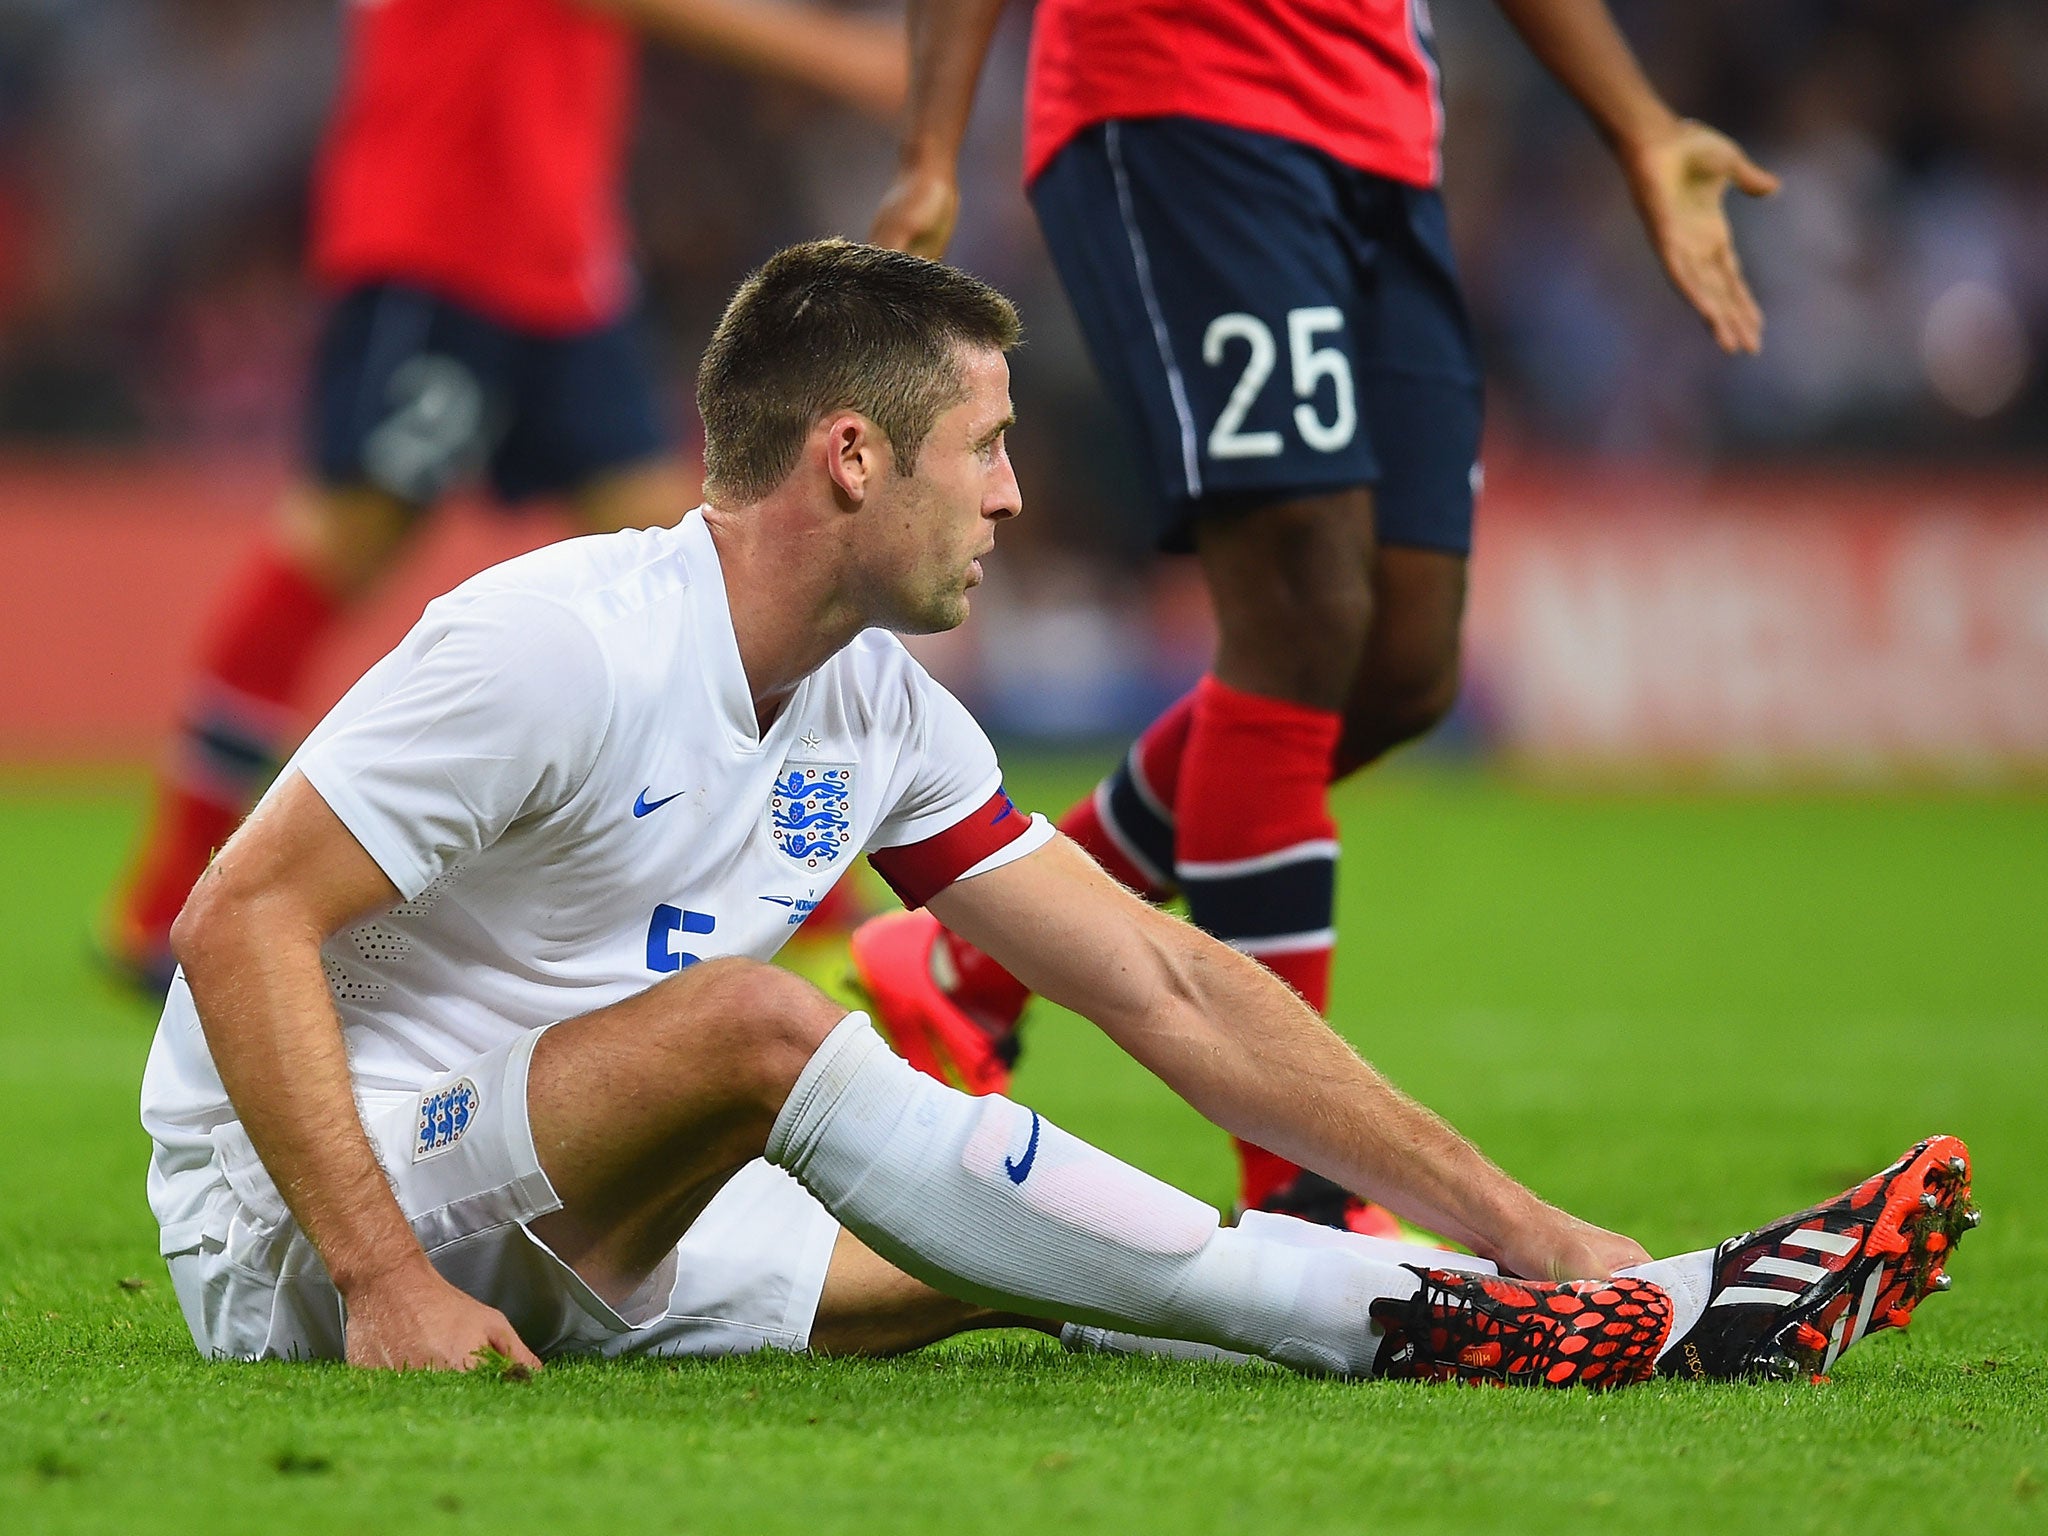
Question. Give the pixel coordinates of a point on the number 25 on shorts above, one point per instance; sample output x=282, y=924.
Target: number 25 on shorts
x=1310, y=365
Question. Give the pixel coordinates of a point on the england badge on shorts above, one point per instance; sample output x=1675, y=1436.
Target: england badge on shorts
x=810, y=812
x=444, y=1115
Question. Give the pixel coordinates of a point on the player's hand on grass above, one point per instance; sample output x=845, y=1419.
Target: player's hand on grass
x=1680, y=182
x=1561, y=1247
x=419, y=1322
x=917, y=213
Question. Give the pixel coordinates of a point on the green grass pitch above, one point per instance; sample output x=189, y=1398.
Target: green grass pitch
x=1677, y=1015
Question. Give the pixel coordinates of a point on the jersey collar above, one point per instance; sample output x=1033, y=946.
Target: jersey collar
x=718, y=649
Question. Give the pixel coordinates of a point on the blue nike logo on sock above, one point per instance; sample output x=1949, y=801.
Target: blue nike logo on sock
x=642, y=805
x=1019, y=1172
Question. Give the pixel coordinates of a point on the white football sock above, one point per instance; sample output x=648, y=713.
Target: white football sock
x=1293, y=1232
x=1688, y=1279
x=985, y=1200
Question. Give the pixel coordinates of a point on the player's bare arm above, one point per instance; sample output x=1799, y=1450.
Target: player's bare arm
x=1678, y=171
x=249, y=940
x=854, y=59
x=949, y=41
x=1244, y=1050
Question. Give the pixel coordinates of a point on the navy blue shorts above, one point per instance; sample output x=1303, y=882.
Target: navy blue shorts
x=414, y=393
x=1272, y=322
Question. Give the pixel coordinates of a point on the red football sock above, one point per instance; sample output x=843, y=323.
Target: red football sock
x=1126, y=823
x=1256, y=849
x=231, y=738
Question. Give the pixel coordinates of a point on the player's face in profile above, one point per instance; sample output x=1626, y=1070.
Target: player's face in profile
x=942, y=517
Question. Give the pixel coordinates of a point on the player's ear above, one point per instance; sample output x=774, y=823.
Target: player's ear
x=856, y=456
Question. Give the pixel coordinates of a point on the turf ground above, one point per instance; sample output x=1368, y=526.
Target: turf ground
x=1677, y=1015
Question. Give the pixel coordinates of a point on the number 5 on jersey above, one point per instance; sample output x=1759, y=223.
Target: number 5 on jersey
x=1310, y=364
x=666, y=923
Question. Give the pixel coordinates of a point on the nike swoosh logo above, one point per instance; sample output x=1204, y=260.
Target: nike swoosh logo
x=643, y=806
x=1019, y=1172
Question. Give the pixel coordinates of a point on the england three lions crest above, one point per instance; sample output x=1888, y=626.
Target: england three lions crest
x=810, y=812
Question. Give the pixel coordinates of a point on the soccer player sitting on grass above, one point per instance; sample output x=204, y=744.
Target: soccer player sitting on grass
x=475, y=1047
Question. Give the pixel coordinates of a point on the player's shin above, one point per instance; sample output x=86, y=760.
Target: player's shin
x=985, y=1200
x=1289, y=1231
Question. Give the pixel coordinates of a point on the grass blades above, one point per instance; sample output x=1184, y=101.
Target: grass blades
x=1678, y=1015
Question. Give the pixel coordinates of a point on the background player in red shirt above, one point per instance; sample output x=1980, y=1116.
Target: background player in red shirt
x=1241, y=202
x=468, y=218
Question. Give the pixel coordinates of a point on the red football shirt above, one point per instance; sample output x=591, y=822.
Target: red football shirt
x=478, y=149
x=1354, y=78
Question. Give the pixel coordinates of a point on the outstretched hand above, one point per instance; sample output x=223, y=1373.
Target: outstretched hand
x=1679, y=183
x=422, y=1323
x=917, y=214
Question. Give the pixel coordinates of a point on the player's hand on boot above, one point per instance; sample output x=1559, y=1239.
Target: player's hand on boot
x=917, y=213
x=1562, y=1247
x=416, y=1322
x=1679, y=182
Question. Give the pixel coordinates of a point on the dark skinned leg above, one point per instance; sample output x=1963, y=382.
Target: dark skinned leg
x=1409, y=678
x=1292, y=585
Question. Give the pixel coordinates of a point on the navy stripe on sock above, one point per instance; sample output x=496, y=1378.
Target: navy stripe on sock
x=1138, y=823
x=232, y=753
x=1297, y=897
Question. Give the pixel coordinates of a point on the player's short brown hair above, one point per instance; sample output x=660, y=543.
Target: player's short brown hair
x=828, y=326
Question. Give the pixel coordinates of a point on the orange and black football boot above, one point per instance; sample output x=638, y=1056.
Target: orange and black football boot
x=1789, y=1298
x=1491, y=1330
x=1786, y=1299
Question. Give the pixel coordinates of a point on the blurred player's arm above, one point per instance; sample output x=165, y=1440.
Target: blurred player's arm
x=1678, y=171
x=1238, y=1045
x=249, y=939
x=948, y=43
x=855, y=59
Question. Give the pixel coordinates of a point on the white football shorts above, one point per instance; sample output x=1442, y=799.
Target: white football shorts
x=460, y=1157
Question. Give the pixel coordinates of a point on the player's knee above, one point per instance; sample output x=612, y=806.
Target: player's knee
x=344, y=538
x=1418, y=708
x=755, y=1025
x=1293, y=591
x=1396, y=710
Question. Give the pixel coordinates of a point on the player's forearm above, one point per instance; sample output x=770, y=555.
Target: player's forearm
x=1245, y=1051
x=788, y=40
x=1232, y=1040
x=254, y=967
x=1579, y=43
x=949, y=41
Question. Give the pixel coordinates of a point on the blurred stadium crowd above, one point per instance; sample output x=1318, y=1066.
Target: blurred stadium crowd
x=153, y=168
x=153, y=157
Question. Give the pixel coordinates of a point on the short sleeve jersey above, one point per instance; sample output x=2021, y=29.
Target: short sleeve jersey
x=477, y=149
x=560, y=771
x=1356, y=79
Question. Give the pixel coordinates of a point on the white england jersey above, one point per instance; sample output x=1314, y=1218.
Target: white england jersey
x=560, y=770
